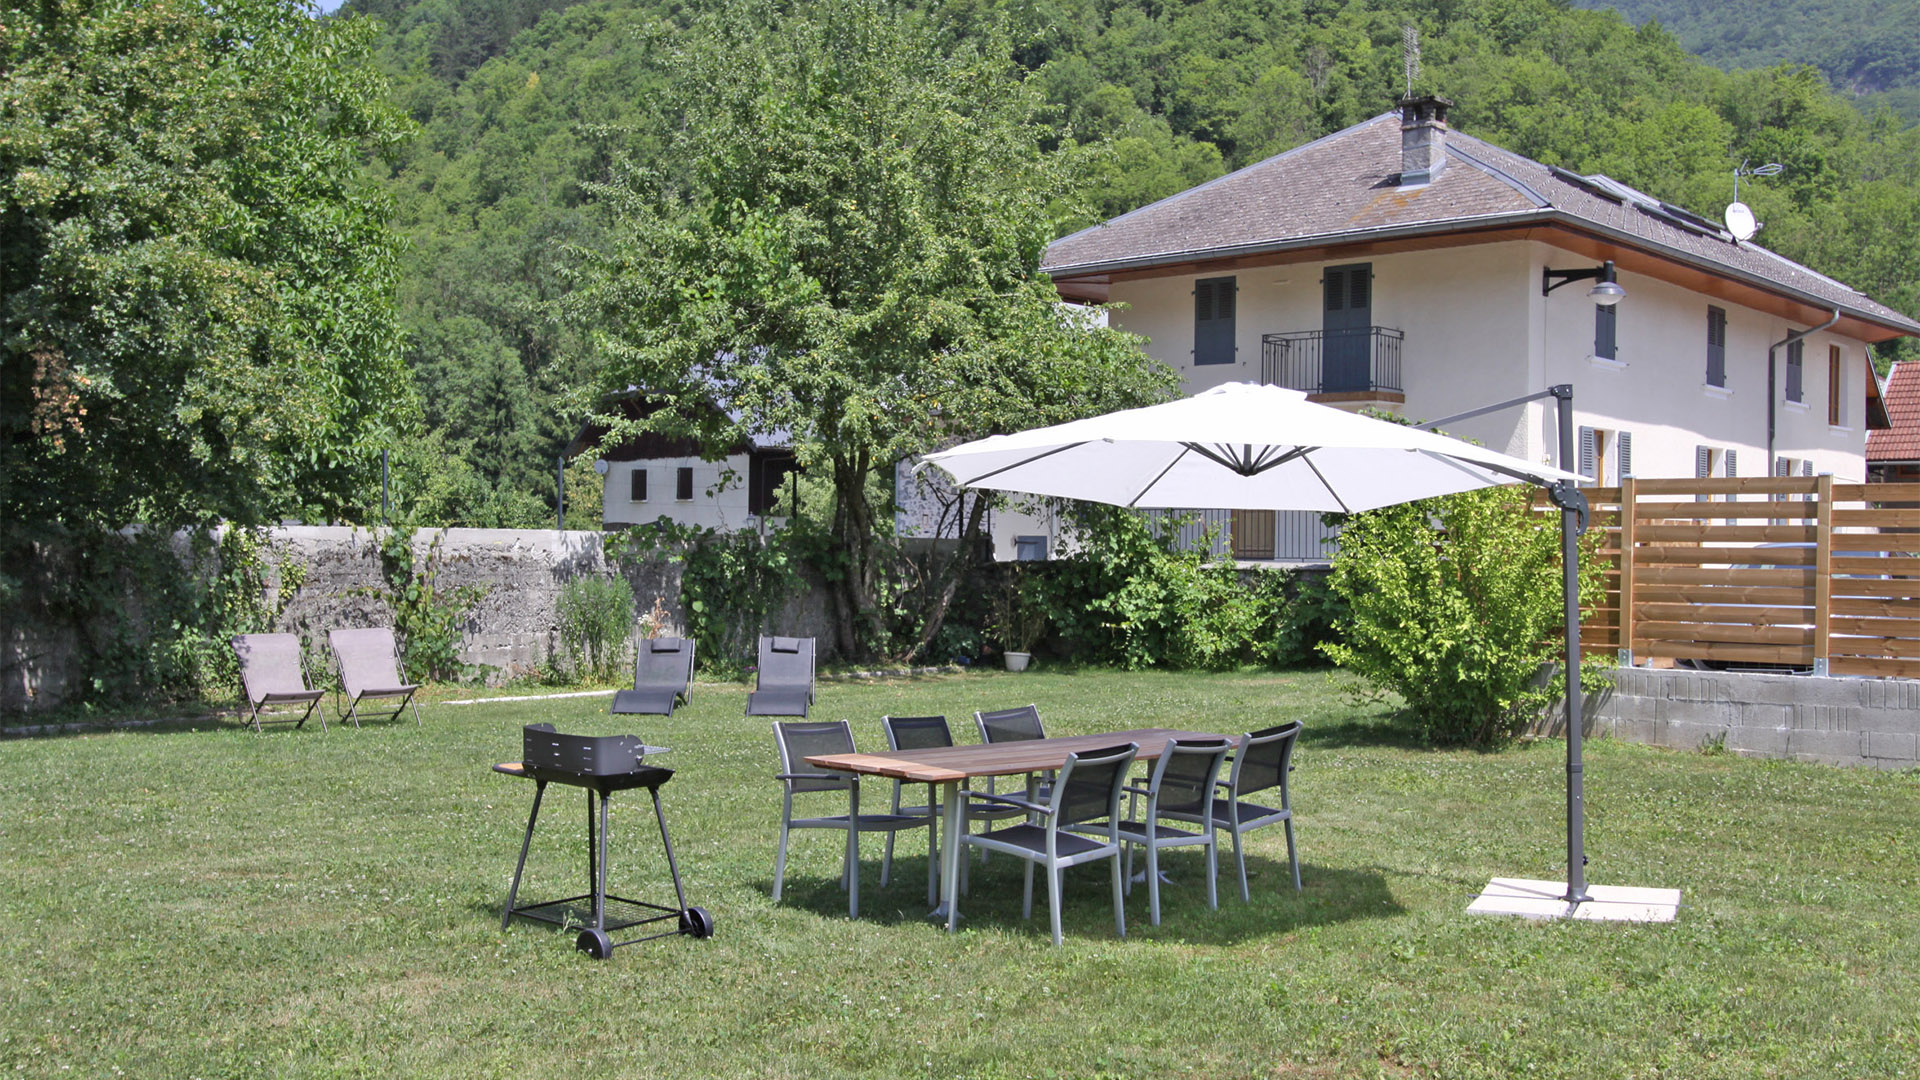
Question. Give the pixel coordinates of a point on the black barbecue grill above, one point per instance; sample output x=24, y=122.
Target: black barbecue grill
x=603, y=764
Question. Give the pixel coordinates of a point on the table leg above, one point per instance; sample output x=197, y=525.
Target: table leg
x=952, y=823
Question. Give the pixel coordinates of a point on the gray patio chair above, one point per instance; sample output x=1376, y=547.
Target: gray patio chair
x=1087, y=792
x=662, y=678
x=272, y=672
x=784, y=684
x=1015, y=725
x=370, y=668
x=916, y=733
x=1262, y=763
x=1181, y=782
x=799, y=740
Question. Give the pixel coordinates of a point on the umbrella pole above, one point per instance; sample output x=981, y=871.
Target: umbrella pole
x=1570, y=527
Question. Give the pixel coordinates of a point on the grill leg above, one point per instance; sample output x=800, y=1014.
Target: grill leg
x=600, y=876
x=513, y=891
x=673, y=867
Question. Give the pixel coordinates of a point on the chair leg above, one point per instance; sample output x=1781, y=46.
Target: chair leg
x=933, y=848
x=1119, y=901
x=780, y=862
x=1026, y=902
x=1054, y=874
x=853, y=871
x=1213, y=873
x=886, y=861
x=1293, y=855
x=1153, y=882
x=1240, y=860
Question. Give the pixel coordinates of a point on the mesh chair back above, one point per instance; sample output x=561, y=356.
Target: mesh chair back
x=663, y=661
x=369, y=660
x=1090, y=783
x=1010, y=725
x=269, y=664
x=1263, y=760
x=1187, y=773
x=785, y=661
x=916, y=732
x=802, y=739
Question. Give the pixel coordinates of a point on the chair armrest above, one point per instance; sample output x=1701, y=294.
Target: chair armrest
x=815, y=776
x=1138, y=789
x=1009, y=800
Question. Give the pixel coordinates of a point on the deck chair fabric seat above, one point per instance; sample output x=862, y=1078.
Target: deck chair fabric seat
x=784, y=683
x=272, y=672
x=370, y=669
x=662, y=678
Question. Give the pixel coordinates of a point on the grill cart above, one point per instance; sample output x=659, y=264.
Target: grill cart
x=602, y=764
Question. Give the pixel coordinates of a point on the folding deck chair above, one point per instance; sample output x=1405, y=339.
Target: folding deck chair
x=784, y=685
x=370, y=668
x=662, y=678
x=273, y=673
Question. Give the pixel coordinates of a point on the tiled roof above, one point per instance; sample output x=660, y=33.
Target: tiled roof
x=1901, y=440
x=1344, y=188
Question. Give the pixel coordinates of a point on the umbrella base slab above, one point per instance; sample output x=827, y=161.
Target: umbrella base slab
x=1532, y=899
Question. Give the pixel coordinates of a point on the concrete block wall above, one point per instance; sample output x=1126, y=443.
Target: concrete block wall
x=1872, y=722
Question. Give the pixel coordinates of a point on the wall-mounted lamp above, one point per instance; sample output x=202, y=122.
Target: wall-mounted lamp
x=1606, y=291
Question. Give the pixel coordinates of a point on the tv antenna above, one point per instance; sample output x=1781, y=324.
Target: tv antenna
x=1739, y=216
x=1410, y=53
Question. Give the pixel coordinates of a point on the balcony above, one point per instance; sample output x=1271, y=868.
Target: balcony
x=1362, y=364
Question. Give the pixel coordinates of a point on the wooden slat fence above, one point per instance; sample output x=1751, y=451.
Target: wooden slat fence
x=1787, y=571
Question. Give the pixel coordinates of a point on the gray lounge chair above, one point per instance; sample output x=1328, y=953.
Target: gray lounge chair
x=272, y=672
x=662, y=678
x=784, y=684
x=370, y=668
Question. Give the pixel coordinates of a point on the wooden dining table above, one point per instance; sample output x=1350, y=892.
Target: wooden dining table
x=949, y=767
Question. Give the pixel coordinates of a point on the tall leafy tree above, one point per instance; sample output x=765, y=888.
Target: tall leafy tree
x=839, y=241
x=196, y=309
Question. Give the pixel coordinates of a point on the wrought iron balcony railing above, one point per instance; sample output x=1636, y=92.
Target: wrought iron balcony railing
x=1362, y=360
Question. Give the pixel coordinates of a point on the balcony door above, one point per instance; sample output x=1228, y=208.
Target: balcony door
x=1346, y=326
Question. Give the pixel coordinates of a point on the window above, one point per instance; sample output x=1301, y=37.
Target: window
x=1213, y=303
x=1796, y=367
x=1597, y=445
x=1605, y=343
x=639, y=489
x=683, y=484
x=1836, y=382
x=1710, y=461
x=1716, y=347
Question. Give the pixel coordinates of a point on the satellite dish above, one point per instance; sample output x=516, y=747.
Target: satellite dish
x=1740, y=221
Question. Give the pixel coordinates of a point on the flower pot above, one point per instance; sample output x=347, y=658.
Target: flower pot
x=1017, y=661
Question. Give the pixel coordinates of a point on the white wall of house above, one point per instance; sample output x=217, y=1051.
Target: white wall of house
x=719, y=493
x=1478, y=332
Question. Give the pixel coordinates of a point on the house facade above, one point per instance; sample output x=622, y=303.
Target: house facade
x=1401, y=266
x=652, y=476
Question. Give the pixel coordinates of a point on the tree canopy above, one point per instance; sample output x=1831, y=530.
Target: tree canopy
x=839, y=241
x=197, y=301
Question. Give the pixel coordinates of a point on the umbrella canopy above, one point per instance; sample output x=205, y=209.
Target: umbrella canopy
x=1240, y=446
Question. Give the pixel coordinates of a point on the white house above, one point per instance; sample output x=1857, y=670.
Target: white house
x=1400, y=265
x=653, y=476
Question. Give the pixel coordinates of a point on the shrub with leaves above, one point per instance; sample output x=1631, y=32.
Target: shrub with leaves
x=429, y=621
x=1455, y=604
x=596, y=619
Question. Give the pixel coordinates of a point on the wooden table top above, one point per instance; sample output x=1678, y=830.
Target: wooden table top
x=949, y=764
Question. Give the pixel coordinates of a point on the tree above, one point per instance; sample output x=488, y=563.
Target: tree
x=196, y=315
x=839, y=241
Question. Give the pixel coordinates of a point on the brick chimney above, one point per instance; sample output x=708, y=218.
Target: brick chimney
x=1423, y=138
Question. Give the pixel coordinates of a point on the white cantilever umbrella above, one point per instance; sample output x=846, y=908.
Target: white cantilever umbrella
x=1243, y=446
x=1237, y=447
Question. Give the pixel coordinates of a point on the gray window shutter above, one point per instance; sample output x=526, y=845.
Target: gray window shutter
x=1796, y=367
x=1702, y=461
x=1782, y=466
x=1806, y=467
x=1624, y=444
x=1588, y=445
x=1733, y=463
x=1213, y=323
x=638, y=492
x=1716, y=347
x=1605, y=320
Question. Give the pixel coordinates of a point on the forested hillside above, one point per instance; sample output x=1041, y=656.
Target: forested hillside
x=522, y=103
x=1868, y=48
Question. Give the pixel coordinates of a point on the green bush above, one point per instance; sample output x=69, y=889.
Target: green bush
x=1458, y=619
x=428, y=621
x=730, y=583
x=596, y=618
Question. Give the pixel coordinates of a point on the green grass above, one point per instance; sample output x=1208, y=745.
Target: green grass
x=195, y=900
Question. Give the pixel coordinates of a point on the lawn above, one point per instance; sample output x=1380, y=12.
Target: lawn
x=195, y=900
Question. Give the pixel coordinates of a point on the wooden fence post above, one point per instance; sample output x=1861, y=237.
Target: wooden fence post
x=1625, y=613
x=1822, y=570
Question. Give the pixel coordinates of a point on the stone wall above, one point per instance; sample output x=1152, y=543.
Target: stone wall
x=1873, y=722
x=512, y=630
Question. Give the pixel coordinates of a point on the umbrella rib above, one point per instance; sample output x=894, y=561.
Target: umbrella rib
x=1162, y=474
x=1249, y=466
x=1467, y=467
x=1323, y=483
x=1023, y=461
